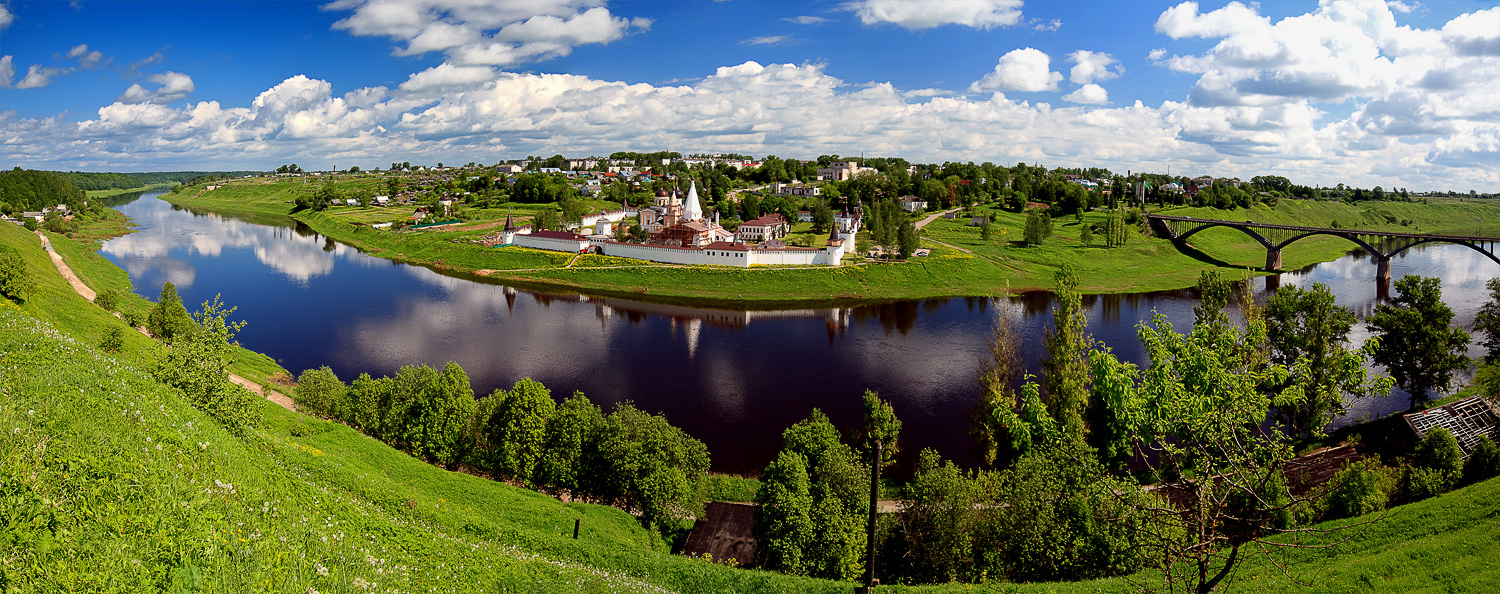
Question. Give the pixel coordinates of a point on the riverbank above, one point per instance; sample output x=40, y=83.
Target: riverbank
x=962, y=262
x=122, y=191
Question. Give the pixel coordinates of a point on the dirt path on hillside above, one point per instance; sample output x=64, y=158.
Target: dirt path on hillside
x=67, y=273
x=87, y=293
x=933, y=217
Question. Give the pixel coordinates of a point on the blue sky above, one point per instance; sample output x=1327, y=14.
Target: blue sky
x=1396, y=94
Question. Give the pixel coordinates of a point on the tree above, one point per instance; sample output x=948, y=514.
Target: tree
x=573, y=209
x=1437, y=465
x=1309, y=334
x=1418, y=345
x=437, y=414
x=1065, y=370
x=15, y=280
x=545, y=219
x=198, y=364
x=392, y=185
x=1036, y=231
x=1194, y=414
x=168, y=319
x=880, y=427
x=1487, y=322
x=1115, y=230
x=998, y=376
x=822, y=216
x=783, y=515
x=572, y=426
x=320, y=392
x=838, y=484
x=517, y=430
x=642, y=463
x=1483, y=462
x=941, y=521
x=1086, y=234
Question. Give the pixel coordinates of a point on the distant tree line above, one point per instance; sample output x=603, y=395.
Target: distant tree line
x=23, y=190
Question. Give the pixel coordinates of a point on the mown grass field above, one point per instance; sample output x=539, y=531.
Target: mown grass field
x=962, y=263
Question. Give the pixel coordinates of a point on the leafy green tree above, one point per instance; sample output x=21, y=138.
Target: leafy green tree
x=545, y=219
x=320, y=392
x=15, y=280
x=573, y=425
x=783, y=515
x=365, y=404
x=1487, y=322
x=1195, y=414
x=168, y=319
x=437, y=414
x=1309, y=335
x=1437, y=465
x=1086, y=234
x=941, y=522
x=880, y=427
x=517, y=430
x=839, y=485
x=822, y=215
x=1065, y=369
x=198, y=364
x=1116, y=233
x=572, y=208
x=1036, y=229
x=1418, y=345
x=641, y=462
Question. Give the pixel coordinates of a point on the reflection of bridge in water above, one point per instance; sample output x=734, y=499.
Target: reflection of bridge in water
x=1382, y=245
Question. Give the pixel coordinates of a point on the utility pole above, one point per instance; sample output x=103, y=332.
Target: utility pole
x=870, y=581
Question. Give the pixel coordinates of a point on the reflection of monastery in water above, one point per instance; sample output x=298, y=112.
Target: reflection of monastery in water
x=680, y=234
x=691, y=319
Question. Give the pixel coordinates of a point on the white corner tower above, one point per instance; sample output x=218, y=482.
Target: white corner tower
x=692, y=211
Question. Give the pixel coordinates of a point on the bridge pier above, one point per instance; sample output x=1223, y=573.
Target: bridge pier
x=1273, y=259
x=1273, y=283
x=1383, y=269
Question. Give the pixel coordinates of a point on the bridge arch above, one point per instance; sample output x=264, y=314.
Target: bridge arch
x=1228, y=225
x=1349, y=236
x=1467, y=244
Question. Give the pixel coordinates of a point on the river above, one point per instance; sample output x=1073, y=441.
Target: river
x=734, y=379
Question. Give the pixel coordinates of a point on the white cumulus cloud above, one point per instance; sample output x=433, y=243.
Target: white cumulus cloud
x=1090, y=66
x=7, y=71
x=38, y=76
x=6, y=17
x=87, y=59
x=1026, y=69
x=1091, y=94
x=924, y=14
x=171, y=87
x=473, y=33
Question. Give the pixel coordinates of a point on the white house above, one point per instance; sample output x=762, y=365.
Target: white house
x=771, y=226
x=912, y=204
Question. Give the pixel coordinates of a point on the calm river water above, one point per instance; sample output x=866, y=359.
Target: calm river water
x=733, y=379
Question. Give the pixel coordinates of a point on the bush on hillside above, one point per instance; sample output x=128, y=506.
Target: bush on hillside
x=1361, y=488
x=111, y=340
x=198, y=365
x=15, y=280
x=109, y=299
x=168, y=319
x=319, y=392
x=1483, y=462
x=1437, y=465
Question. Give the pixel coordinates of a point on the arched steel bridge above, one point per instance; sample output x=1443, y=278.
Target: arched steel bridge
x=1382, y=245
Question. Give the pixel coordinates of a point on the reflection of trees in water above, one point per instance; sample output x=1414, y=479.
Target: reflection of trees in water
x=1034, y=303
x=899, y=316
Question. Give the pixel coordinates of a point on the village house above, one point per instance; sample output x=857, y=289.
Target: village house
x=771, y=226
x=913, y=204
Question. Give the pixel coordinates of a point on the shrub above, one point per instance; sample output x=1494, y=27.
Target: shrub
x=517, y=429
x=198, y=364
x=319, y=392
x=1436, y=465
x=15, y=280
x=108, y=299
x=1360, y=488
x=111, y=340
x=1483, y=462
x=168, y=319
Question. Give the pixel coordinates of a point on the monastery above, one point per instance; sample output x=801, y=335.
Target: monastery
x=680, y=234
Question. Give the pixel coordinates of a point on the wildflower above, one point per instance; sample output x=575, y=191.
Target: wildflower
x=322, y=571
